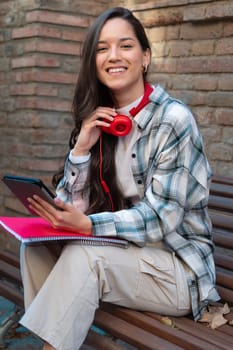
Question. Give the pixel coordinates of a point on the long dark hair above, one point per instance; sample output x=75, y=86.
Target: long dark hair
x=89, y=94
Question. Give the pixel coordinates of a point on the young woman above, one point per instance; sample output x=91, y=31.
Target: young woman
x=149, y=186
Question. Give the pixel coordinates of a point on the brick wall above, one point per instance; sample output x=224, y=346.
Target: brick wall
x=192, y=45
x=40, y=44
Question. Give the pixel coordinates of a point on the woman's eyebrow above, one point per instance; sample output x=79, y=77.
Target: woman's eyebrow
x=121, y=39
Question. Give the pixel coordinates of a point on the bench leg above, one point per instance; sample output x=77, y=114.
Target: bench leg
x=8, y=323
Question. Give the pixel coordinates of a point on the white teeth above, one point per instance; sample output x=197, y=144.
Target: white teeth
x=116, y=70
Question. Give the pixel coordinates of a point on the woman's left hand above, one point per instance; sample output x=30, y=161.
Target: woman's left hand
x=65, y=216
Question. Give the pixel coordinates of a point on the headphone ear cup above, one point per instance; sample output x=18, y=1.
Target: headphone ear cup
x=120, y=126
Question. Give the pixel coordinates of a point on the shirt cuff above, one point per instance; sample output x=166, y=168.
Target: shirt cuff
x=79, y=159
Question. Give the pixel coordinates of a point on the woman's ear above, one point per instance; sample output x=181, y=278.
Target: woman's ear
x=146, y=59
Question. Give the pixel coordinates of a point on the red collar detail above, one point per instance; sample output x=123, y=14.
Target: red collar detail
x=144, y=101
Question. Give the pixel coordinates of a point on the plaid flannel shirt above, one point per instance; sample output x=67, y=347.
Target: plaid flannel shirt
x=172, y=176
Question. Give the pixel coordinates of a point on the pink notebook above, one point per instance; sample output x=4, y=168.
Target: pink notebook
x=35, y=229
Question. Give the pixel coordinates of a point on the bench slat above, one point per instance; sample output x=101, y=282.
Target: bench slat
x=223, y=239
x=145, y=321
x=222, y=221
x=9, y=257
x=190, y=328
x=10, y=293
x=221, y=190
x=224, y=261
x=131, y=334
x=226, y=294
x=224, y=279
x=222, y=180
x=220, y=203
x=101, y=342
x=210, y=336
x=10, y=272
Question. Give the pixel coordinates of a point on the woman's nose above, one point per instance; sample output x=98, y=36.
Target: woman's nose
x=114, y=54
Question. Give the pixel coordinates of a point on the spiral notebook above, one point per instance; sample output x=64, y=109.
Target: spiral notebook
x=36, y=230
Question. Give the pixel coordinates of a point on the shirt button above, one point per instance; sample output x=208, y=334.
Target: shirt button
x=133, y=155
x=139, y=182
x=73, y=173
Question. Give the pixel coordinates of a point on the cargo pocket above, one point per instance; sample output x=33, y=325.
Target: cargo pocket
x=157, y=281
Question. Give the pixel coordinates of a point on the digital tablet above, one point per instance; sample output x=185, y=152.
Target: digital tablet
x=24, y=187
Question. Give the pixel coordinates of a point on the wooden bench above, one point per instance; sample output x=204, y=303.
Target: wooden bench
x=124, y=328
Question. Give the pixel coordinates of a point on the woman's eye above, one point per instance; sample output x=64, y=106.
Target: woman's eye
x=101, y=49
x=126, y=46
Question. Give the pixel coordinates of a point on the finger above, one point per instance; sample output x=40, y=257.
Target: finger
x=62, y=205
x=42, y=208
x=42, y=203
x=103, y=113
x=51, y=215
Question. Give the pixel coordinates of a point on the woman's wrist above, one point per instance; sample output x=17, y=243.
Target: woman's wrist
x=86, y=223
x=76, y=152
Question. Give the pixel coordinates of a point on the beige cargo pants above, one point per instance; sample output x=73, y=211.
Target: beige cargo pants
x=62, y=289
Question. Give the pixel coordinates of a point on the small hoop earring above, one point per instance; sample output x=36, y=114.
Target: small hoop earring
x=145, y=68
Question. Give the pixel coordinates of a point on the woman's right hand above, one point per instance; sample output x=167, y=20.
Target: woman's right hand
x=90, y=130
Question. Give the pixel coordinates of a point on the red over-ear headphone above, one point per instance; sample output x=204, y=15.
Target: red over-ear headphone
x=121, y=126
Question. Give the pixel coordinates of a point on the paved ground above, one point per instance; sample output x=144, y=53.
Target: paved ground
x=19, y=338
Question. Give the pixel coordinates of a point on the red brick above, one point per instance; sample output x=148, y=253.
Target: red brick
x=204, y=115
x=227, y=135
x=34, y=31
x=194, y=13
x=61, y=136
x=179, y=48
x=17, y=121
x=221, y=10
x=15, y=205
x=45, y=104
x=56, y=18
x=3, y=77
x=163, y=17
x=219, y=99
x=191, y=98
x=73, y=35
x=159, y=50
x=211, y=12
x=224, y=168
x=224, y=116
x=35, y=151
x=33, y=89
x=203, y=47
x=163, y=65
x=205, y=82
x=172, y=32
x=228, y=29
x=200, y=31
x=44, y=76
x=221, y=151
x=205, y=65
x=34, y=61
x=225, y=82
x=63, y=48
x=224, y=46
x=39, y=165
x=182, y=81
x=211, y=133
x=156, y=34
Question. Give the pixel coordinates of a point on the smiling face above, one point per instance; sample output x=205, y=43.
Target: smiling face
x=120, y=61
